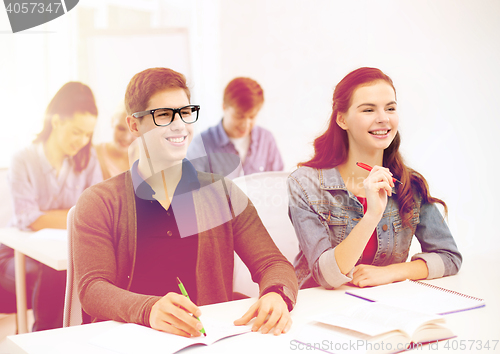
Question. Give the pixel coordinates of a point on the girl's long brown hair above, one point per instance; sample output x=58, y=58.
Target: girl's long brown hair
x=332, y=147
x=73, y=97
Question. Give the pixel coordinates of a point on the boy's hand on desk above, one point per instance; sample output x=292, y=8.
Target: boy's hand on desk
x=172, y=314
x=270, y=310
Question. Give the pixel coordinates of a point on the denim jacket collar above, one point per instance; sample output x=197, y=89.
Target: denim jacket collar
x=331, y=179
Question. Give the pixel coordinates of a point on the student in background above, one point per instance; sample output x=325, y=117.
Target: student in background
x=114, y=155
x=354, y=225
x=46, y=179
x=236, y=139
x=135, y=233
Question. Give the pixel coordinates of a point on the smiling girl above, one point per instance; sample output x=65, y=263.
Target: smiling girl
x=46, y=178
x=357, y=226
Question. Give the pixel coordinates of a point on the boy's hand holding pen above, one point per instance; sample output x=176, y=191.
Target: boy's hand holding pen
x=172, y=314
x=184, y=292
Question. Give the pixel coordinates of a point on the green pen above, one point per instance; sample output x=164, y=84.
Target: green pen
x=184, y=292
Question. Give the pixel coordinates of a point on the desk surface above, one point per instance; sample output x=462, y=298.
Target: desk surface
x=474, y=325
x=53, y=253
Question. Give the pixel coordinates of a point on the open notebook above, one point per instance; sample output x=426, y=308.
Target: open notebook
x=131, y=338
x=419, y=296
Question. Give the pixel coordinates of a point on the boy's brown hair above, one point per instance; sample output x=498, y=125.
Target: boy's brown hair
x=145, y=84
x=243, y=93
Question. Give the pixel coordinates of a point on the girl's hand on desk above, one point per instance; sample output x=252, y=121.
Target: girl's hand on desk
x=368, y=275
x=270, y=307
x=172, y=314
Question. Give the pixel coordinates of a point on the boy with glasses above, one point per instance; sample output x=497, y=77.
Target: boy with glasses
x=136, y=233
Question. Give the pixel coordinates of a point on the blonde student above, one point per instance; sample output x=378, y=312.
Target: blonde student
x=114, y=155
x=139, y=231
x=355, y=225
x=46, y=178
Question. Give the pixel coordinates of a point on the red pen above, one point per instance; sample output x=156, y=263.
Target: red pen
x=369, y=168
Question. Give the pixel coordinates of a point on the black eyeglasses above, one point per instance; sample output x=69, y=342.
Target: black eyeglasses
x=165, y=116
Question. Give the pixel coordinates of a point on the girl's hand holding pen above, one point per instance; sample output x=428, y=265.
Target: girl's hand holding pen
x=172, y=314
x=364, y=166
x=378, y=185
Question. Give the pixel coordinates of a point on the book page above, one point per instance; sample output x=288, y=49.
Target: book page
x=374, y=318
x=319, y=337
x=132, y=338
x=412, y=295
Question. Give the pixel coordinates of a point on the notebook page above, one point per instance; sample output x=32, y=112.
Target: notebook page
x=131, y=338
x=418, y=297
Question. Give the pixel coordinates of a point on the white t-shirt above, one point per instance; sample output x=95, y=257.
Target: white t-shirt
x=241, y=145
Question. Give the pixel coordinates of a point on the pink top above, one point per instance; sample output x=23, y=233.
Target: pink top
x=372, y=245
x=36, y=187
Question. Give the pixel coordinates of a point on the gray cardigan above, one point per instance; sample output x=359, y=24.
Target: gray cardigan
x=105, y=237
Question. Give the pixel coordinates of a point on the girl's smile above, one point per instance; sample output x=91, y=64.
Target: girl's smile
x=372, y=120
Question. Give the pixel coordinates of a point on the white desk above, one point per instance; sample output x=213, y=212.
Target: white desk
x=53, y=253
x=476, y=279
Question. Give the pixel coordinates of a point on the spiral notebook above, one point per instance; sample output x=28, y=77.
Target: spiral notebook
x=419, y=296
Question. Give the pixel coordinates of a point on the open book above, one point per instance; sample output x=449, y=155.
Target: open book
x=131, y=338
x=371, y=327
x=419, y=296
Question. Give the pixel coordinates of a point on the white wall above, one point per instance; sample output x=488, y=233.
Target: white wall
x=442, y=55
x=34, y=64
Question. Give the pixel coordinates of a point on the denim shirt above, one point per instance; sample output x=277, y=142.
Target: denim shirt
x=323, y=213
